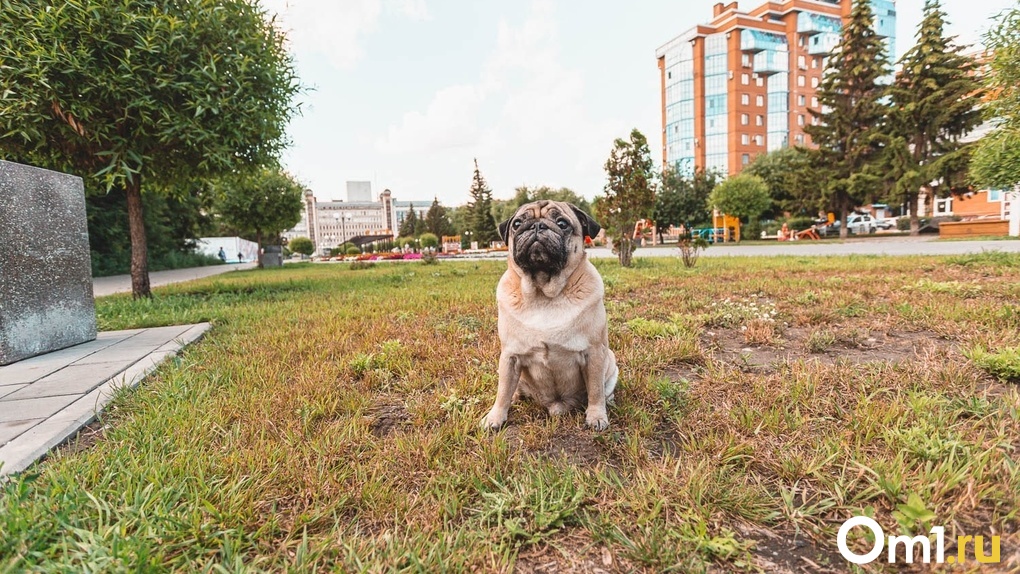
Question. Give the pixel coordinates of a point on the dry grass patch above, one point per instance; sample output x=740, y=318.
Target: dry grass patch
x=329, y=423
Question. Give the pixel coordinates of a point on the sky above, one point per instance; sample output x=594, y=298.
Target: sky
x=407, y=93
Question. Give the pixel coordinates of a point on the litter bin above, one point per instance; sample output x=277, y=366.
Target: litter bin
x=272, y=256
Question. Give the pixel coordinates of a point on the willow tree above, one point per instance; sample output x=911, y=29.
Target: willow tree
x=153, y=91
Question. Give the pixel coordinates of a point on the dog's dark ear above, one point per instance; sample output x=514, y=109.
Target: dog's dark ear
x=589, y=227
x=503, y=227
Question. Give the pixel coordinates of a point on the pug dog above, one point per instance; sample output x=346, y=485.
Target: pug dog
x=552, y=318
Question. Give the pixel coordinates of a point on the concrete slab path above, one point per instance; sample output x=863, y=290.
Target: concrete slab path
x=46, y=399
x=102, y=286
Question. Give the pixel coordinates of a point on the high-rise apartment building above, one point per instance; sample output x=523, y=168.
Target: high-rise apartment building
x=742, y=84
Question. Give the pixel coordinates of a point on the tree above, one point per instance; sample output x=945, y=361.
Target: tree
x=436, y=220
x=936, y=99
x=480, y=221
x=790, y=177
x=996, y=161
x=261, y=203
x=301, y=245
x=743, y=196
x=524, y=194
x=849, y=136
x=429, y=240
x=684, y=200
x=409, y=225
x=629, y=193
x=135, y=91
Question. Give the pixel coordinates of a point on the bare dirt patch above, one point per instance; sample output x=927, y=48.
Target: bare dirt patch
x=789, y=552
x=857, y=346
x=570, y=553
x=386, y=417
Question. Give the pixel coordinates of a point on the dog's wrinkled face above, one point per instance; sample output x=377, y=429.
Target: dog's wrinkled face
x=545, y=237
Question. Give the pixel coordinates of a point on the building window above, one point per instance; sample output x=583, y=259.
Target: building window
x=798, y=139
x=759, y=81
x=744, y=119
x=744, y=79
x=745, y=99
x=757, y=140
x=759, y=101
x=814, y=102
x=814, y=63
x=802, y=62
x=745, y=139
x=801, y=100
x=759, y=120
x=994, y=195
x=745, y=60
x=669, y=75
x=800, y=119
x=745, y=159
x=801, y=80
x=814, y=82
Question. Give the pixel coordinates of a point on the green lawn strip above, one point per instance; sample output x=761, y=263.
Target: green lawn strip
x=328, y=422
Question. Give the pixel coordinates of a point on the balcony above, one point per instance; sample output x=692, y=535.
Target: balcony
x=756, y=41
x=823, y=44
x=771, y=62
x=810, y=23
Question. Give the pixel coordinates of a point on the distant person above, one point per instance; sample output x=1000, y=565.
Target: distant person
x=240, y=257
x=222, y=255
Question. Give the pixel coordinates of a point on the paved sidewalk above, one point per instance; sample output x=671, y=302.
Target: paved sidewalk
x=102, y=286
x=46, y=399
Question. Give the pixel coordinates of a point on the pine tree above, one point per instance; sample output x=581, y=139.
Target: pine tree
x=629, y=193
x=409, y=224
x=849, y=133
x=481, y=224
x=935, y=102
x=436, y=220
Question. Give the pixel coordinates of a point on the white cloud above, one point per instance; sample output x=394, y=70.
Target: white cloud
x=337, y=29
x=413, y=9
x=449, y=122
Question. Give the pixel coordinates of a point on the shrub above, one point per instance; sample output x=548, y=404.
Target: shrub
x=429, y=240
x=355, y=265
x=352, y=250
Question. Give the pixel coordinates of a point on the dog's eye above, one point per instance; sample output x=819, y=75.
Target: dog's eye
x=516, y=223
x=563, y=223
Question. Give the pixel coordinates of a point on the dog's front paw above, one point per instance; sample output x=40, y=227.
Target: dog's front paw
x=494, y=420
x=596, y=418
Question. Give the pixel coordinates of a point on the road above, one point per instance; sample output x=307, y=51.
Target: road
x=871, y=246
x=102, y=286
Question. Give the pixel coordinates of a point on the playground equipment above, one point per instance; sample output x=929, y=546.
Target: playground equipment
x=642, y=228
x=724, y=227
x=451, y=244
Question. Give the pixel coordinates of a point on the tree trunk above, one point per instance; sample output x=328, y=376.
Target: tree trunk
x=843, y=231
x=139, y=247
x=258, y=246
x=625, y=251
x=915, y=222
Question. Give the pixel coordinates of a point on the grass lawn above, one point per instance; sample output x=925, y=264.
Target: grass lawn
x=329, y=422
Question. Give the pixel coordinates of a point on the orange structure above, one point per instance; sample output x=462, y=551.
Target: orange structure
x=744, y=83
x=725, y=227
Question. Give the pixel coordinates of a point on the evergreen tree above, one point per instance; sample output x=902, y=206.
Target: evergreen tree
x=997, y=157
x=409, y=225
x=629, y=193
x=849, y=133
x=436, y=220
x=935, y=102
x=481, y=224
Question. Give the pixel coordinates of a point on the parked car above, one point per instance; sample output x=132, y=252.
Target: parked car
x=858, y=223
x=885, y=224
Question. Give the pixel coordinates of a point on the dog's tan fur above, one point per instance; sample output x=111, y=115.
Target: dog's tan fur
x=552, y=326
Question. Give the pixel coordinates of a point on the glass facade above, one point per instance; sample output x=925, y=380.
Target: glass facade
x=716, y=120
x=679, y=136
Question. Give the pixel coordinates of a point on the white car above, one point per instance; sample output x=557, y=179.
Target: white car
x=858, y=223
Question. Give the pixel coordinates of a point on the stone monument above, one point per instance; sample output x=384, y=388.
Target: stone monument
x=46, y=300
